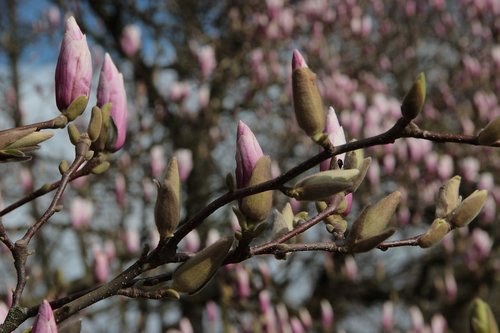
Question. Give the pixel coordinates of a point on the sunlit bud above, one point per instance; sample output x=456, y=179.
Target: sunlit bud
x=243, y=281
x=448, y=198
x=192, y=241
x=197, y=271
x=185, y=160
x=371, y=226
x=324, y=184
x=45, y=321
x=100, y=265
x=81, y=211
x=450, y=285
x=387, y=316
x=438, y=229
x=74, y=67
x=307, y=101
x=363, y=168
x=491, y=133
x=132, y=240
x=438, y=324
x=248, y=152
x=469, y=208
x=3, y=312
x=414, y=99
x=167, y=208
x=281, y=224
x=111, y=89
x=326, y=315
x=130, y=40
x=481, y=318
x=335, y=135
x=257, y=207
x=185, y=326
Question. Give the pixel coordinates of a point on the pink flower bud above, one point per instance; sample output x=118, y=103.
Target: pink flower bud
x=185, y=326
x=387, y=316
x=101, y=266
x=3, y=312
x=438, y=324
x=305, y=318
x=212, y=311
x=335, y=134
x=326, y=315
x=417, y=319
x=206, y=59
x=450, y=285
x=248, y=152
x=351, y=268
x=45, y=321
x=185, y=162
x=192, y=241
x=81, y=211
x=132, y=240
x=111, y=89
x=297, y=60
x=157, y=161
x=130, y=40
x=243, y=281
x=120, y=189
x=296, y=325
x=213, y=236
x=26, y=179
x=74, y=66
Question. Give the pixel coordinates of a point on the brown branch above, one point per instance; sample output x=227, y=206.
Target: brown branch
x=140, y=293
x=56, y=122
x=413, y=241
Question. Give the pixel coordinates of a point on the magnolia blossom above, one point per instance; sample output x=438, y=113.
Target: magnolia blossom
x=248, y=152
x=130, y=40
x=326, y=315
x=74, y=66
x=81, y=211
x=111, y=89
x=101, y=265
x=45, y=321
x=206, y=59
x=335, y=135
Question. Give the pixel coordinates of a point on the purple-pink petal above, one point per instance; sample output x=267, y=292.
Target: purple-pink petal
x=45, y=321
x=248, y=152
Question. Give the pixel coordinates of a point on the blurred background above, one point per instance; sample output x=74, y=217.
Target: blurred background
x=192, y=70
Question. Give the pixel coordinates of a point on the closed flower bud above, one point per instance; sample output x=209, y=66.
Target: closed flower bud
x=491, y=133
x=481, y=318
x=45, y=321
x=322, y=185
x=130, y=40
x=111, y=89
x=438, y=229
x=167, y=208
x=448, y=198
x=469, y=208
x=257, y=207
x=414, y=100
x=197, y=271
x=307, y=101
x=248, y=152
x=371, y=226
x=11, y=136
x=30, y=140
x=74, y=66
x=335, y=135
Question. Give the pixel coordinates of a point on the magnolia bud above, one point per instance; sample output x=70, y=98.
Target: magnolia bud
x=45, y=321
x=491, y=133
x=74, y=134
x=257, y=207
x=414, y=100
x=95, y=124
x=448, y=198
x=167, y=208
x=322, y=185
x=307, y=101
x=438, y=229
x=481, y=318
x=469, y=208
x=12, y=135
x=197, y=271
x=30, y=140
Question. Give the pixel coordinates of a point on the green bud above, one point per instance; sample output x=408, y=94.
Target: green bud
x=197, y=271
x=167, y=208
x=414, y=100
x=322, y=185
x=258, y=206
x=366, y=244
x=95, y=124
x=74, y=134
x=469, y=208
x=307, y=102
x=76, y=108
x=13, y=155
x=172, y=293
x=101, y=168
x=491, y=133
x=89, y=155
x=100, y=143
x=481, y=318
x=280, y=225
x=448, y=198
x=373, y=221
x=438, y=229
x=10, y=136
x=30, y=140
x=63, y=166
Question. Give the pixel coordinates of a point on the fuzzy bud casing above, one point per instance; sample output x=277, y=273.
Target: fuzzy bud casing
x=167, y=207
x=491, y=133
x=414, y=99
x=469, y=208
x=448, y=198
x=257, y=207
x=322, y=185
x=481, y=318
x=438, y=229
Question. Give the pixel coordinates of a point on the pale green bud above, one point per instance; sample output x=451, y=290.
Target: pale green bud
x=414, y=100
x=11, y=136
x=322, y=185
x=491, y=133
x=101, y=168
x=167, y=207
x=95, y=124
x=30, y=140
x=448, y=198
x=63, y=166
x=469, y=208
x=74, y=134
x=197, y=271
x=257, y=207
x=438, y=229
x=481, y=318
x=76, y=108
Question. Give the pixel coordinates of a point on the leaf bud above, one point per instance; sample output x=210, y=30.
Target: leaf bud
x=257, y=207
x=101, y=168
x=469, y=208
x=491, y=133
x=30, y=140
x=76, y=108
x=322, y=185
x=63, y=166
x=197, y=271
x=95, y=124
x=481, y=318
x=74, y=134
x=448, y=198
x=414, y=100
x=167, y=207
x=438, y=229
